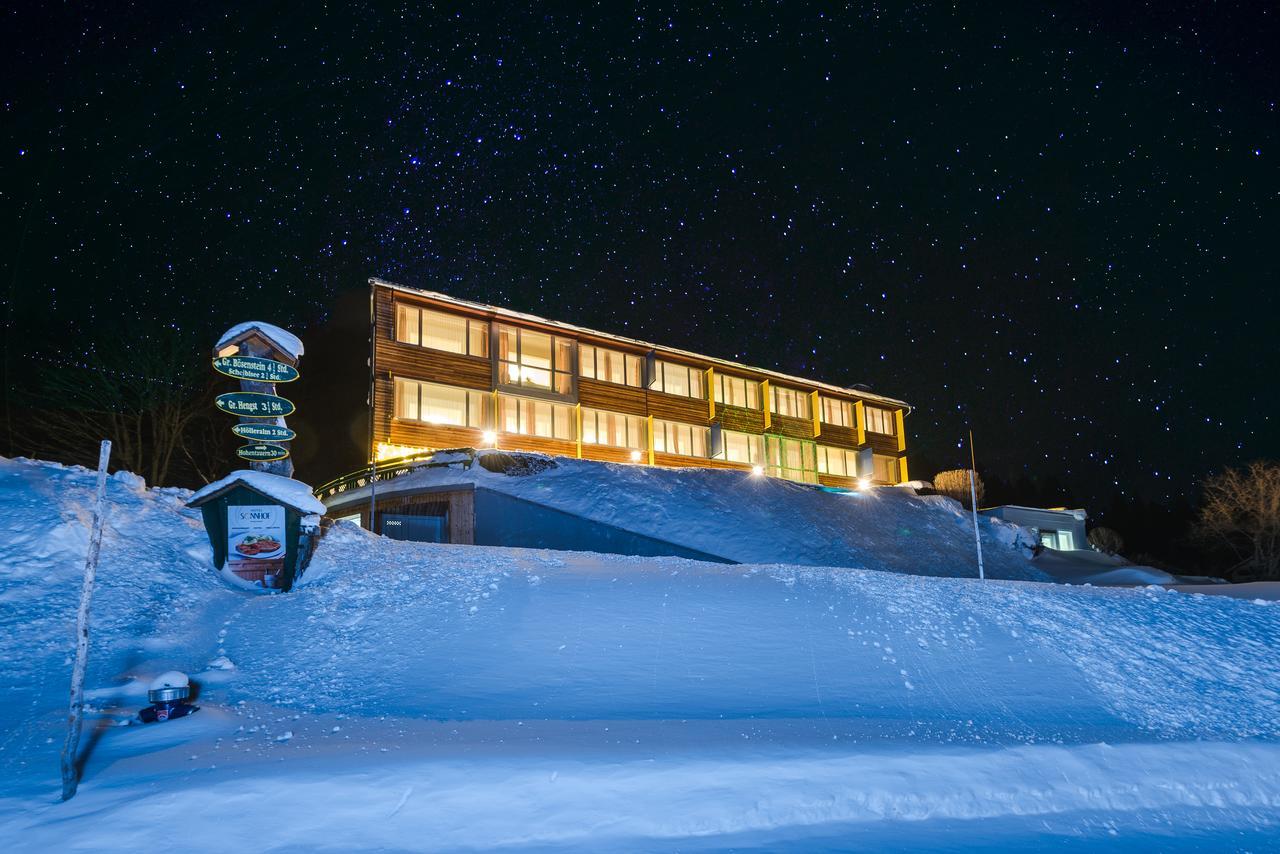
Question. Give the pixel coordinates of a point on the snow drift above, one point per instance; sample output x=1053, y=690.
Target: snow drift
x=410, y=696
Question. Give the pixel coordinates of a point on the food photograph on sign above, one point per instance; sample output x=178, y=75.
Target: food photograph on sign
x=256, y=543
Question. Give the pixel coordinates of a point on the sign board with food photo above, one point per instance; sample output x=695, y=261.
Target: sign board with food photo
x=256, y=542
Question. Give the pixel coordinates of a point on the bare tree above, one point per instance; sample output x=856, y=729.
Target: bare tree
x=1106, y=540
x=955, y=484
x=147, y=398
x=1241, y=514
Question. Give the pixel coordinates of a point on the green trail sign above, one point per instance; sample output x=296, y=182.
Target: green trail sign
x=252, y=404
x=256, y=369
x=263, y=432
x=262, y=452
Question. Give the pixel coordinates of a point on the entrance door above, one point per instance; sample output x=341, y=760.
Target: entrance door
x=419, y=529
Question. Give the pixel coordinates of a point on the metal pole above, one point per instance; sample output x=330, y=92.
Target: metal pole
x=973, y=503
x=75, y=713
x=373, y=381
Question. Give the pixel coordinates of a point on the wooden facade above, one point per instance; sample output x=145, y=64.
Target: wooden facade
x=772, y=438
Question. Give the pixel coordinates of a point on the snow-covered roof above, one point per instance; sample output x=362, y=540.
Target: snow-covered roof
x=282, y=339
x=286, y=490
x=569, y=327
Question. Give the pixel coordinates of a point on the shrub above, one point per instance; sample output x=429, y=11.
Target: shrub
x=1106, y=540
x=955, y=484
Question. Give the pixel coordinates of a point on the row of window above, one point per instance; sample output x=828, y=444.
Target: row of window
x=795, y=459
x=539, y=360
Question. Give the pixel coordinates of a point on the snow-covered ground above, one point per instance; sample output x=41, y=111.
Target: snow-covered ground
x=425, y=697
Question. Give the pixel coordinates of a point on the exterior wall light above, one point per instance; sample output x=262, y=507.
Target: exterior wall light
x=635, y=456
x=864, y=483
x=757, y=471
x=489, y=438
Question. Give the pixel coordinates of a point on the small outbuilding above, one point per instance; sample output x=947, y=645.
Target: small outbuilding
x=1057, y=527
x=260, y=525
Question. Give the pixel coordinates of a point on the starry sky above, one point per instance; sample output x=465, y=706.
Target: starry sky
x=1054, y=223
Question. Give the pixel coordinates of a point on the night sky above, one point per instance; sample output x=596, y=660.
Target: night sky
x=1053, y=222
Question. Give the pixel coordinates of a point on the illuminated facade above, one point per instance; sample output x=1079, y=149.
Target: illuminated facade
x=449, y=373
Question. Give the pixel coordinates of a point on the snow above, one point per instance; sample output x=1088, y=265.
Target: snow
x=285, y=341
x=412, y=696
x=169, y=679
x=750, y=519
x=286, y=490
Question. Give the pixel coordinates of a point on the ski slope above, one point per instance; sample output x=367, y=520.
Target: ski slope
x=429, y=697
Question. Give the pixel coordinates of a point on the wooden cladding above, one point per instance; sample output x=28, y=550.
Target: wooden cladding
x=628, y=400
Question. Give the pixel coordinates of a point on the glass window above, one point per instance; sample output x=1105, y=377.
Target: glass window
x=790, y=402
x=881, y=421
x=535, y=417
x=736, y=391
x=672, y=437
x=837, y=461
x=837, y=412
x=680, y=379
x=611, y=366
x=612, y=428
x=792, y=459
x=441, y=331
x=743, y=448
x=441, y=404
x=886, y=468
x=535, y=359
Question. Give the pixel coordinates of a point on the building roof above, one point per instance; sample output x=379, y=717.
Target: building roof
x=292, y=493
x=569, y=327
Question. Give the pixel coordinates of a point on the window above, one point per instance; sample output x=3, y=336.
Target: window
x=736, y=391
x=611, y=366
x=535, y=417
x=837, y=461
x=743, y=448
x=837, y=412
x=792, y=459
x=790, y=402
x=679, y=379
x=886, y=468
x=671, y=437
x=881, y=421
x=612, y=428
x=441, y=331
x=535, y=360
x=442, y=404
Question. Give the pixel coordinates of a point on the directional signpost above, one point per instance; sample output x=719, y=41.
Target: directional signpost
x=260, y=355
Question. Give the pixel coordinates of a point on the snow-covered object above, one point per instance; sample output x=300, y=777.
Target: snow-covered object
x=609, y=703
x=285, y=341
x=744, y=518
x=286, y=490
x=170, y=679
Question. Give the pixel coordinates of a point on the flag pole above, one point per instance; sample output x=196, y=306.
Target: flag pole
x=973, y=503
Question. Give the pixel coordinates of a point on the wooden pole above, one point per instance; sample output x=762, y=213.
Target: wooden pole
x=75, y=714
x=973, y=503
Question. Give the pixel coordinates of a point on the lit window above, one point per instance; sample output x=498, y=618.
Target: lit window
x=886, y=468
x=612, y=428
x=679, y=379
x=792, y=459
x=535, y=360
x=837, y=461
x=441, y=331
x=743, y=448
x=791, y=403
x=611, y=366
x=431, y=403
x=535, y=418
x=736, y=391
x=838, y=413
x=881, y=421
x=672, y=437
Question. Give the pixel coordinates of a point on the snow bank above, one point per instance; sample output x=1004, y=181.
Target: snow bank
x=284, y=340
x=750, y=519
x=286, y=490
